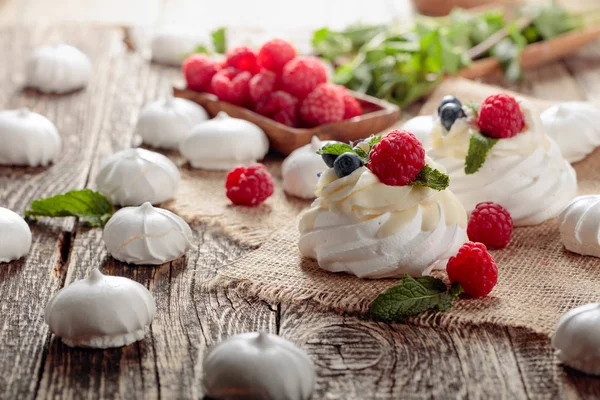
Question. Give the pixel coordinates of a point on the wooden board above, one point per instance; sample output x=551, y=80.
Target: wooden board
x=356, y=358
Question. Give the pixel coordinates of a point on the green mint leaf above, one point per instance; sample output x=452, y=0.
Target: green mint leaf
x=336, y=149
x=412, y=296
x=89, y=206
x=431, y=178
x=479, y=146
x=200, y=49
x=364, y=156
x=373, y=140
x=219, y=38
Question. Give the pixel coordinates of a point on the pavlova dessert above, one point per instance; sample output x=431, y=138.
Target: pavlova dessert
x=498, y=152
x=382, y=210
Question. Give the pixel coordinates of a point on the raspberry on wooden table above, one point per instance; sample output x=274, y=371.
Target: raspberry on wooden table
x=302, y=75
x=262, y=85
x=274, y=54
x=490, y=224
x=281, y=107
x=249, y=185
x=474, y=268
x=242, y=58
x=323, y=105
x=397, y=159
x=199, y=70
x=500, y=117
x=231, y=85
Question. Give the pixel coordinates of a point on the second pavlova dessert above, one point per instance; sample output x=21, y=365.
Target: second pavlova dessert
x=498, y=152
x=382, y=210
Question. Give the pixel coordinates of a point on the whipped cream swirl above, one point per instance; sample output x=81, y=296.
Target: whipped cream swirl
x=526, y=174
x=361, y=226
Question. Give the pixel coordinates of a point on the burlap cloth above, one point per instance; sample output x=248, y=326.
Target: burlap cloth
x=538, y=279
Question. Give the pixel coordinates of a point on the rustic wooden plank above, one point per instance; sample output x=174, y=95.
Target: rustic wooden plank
x=167, y=364
x=357, y=358
x=26, y=285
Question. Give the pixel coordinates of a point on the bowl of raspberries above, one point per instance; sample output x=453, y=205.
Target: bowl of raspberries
x=287, y=95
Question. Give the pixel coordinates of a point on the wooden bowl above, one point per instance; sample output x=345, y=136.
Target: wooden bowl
x=377, y=116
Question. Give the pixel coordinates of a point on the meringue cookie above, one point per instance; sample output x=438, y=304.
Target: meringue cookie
x=361, y=226
x=575, y=126
x=100, y=312
x=135, y=176
x=223, y=143
x=171, y=45
x=58, y=69
x=580, y=225
x=301, y=168
x=146, y=235
x=166, y=123
x=421, y=127
x=576, y=339
x=15, y=236
x=27, y=138
x=526, y=174
x=256, y=366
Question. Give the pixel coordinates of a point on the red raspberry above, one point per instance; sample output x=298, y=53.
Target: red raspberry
x=231, y=85
x=323, y=105
x=491, y=225
x=242, y=58
x=262, y=85
x=352, y=107
x=500, y=117
x=281, y=107
x=198, y=70
x=249, y=185
x=302, y=75
x=274, y=54
x=474, y=268
x=397, y=159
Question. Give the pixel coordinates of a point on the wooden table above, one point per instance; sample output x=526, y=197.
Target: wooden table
x=355, y=357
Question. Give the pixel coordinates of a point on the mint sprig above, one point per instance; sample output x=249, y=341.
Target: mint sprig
x=412, y=296
x=89, y=206
x=219, y=39
x=479, y=146
x=431, y=178
x=336, y=149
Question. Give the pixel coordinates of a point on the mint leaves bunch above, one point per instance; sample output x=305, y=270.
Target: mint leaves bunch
x=427, y=177
x=413, y=296
x=90, y=207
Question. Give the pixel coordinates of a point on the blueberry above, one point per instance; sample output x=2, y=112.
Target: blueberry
x=449, y=113
x=346, y=164
x=329, y=159
x=446, y=100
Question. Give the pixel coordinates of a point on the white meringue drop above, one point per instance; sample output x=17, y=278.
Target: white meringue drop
x=134, y=176
x=258, y=366
x=146, y=235
x=577, y=339
x=580, y=225
x=100, y=312
x=166, y=123
x=15, y=236
x=170, y=45
x=223, y=143
x=301, y=169
x=421, y=126
x=27, y=138
x=575, y=126
x=58, y=69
